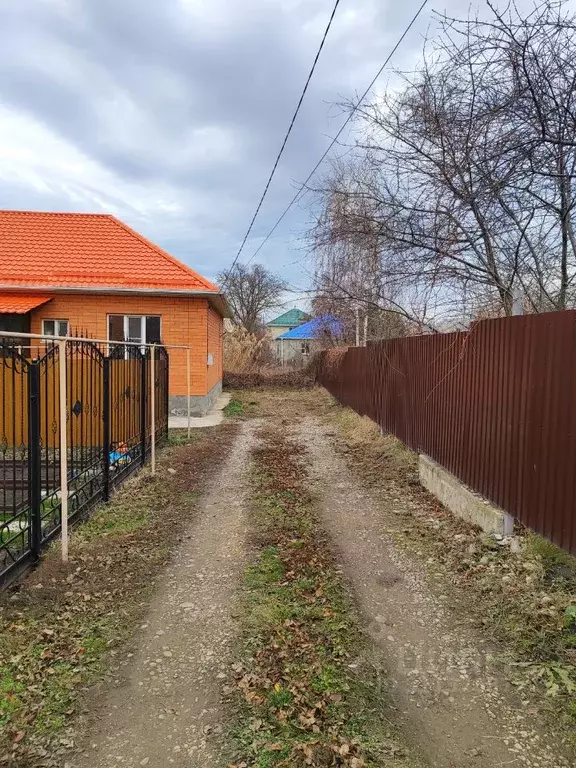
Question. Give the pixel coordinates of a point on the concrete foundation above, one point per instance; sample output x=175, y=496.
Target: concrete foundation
x=200, y=404
x=462, y=501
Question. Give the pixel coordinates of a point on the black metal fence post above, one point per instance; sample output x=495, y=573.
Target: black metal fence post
x=143, y=405
x=106, y=427
x=34, y=468
x=166, y=392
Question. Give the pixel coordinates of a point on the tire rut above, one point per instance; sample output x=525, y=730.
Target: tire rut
x=452, y=701
x=166, y=709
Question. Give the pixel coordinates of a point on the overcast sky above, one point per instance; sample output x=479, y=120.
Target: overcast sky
x=169, y=113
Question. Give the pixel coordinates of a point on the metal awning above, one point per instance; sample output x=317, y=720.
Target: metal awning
x=21, y=303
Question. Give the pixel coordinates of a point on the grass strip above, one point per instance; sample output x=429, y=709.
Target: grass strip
x=305, y=691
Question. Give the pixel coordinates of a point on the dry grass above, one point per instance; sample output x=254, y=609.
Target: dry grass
x=249, y=362
x=244, y=352
x=268, y=378
x=290, y=401
x=379, y=451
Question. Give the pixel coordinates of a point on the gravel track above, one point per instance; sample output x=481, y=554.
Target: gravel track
x=166, y=710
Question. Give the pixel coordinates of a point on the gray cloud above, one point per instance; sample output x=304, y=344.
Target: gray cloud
x=187, y=101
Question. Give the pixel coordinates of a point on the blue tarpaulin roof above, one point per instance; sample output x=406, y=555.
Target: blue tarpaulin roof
x=315, y=329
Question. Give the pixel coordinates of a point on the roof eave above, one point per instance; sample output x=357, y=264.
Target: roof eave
x=216, y=299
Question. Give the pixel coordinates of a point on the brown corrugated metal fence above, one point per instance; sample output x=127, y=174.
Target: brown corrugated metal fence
x=495, y=405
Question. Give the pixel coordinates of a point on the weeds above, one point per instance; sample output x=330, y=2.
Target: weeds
x=558, y=566
x=180, y=437
x=234, y=408
x=245, y=352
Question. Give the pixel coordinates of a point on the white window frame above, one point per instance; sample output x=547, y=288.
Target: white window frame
x=57, y=328
x=305, y=347
x=126, y=326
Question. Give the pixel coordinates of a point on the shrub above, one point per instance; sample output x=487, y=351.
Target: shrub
x=243, y=351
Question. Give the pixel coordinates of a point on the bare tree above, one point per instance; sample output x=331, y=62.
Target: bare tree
x=348, y=270
x=251, y=291
x=461, y=192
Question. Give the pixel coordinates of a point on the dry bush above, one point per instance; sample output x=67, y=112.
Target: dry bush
x=270, y=377
x=334, y=357
x=327, y=365
x=245, y=352
x=249, y=362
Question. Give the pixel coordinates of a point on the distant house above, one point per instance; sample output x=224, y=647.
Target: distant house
x=300, y=342
x=63, y=273
x=286, y=322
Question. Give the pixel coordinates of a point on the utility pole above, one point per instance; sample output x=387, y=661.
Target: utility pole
x=357, y=312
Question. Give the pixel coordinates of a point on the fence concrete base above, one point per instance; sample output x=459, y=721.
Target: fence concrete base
x=462, y=501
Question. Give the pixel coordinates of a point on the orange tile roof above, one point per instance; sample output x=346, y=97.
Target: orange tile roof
x=86, y=250
x=20, y=303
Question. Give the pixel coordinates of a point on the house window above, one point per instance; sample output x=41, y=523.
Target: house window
x=305, y=348
x=55, y=327
x=138, y=328
x=14, y=323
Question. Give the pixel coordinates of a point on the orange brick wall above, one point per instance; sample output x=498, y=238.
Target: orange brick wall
x=215, y=330
x=184, y=321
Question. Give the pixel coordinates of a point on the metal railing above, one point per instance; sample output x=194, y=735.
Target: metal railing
x=74, y=424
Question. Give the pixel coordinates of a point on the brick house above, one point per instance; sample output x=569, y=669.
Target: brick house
x=68, y=273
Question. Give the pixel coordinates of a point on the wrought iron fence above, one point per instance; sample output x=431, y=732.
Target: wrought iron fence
x=108, y=436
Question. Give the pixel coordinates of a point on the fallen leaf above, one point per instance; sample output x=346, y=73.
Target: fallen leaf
x=307, y=721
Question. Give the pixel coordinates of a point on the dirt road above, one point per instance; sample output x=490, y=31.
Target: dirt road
x=441, y=688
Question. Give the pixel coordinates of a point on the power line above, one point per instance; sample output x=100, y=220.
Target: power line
x=289, y=131
x=335, y=139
